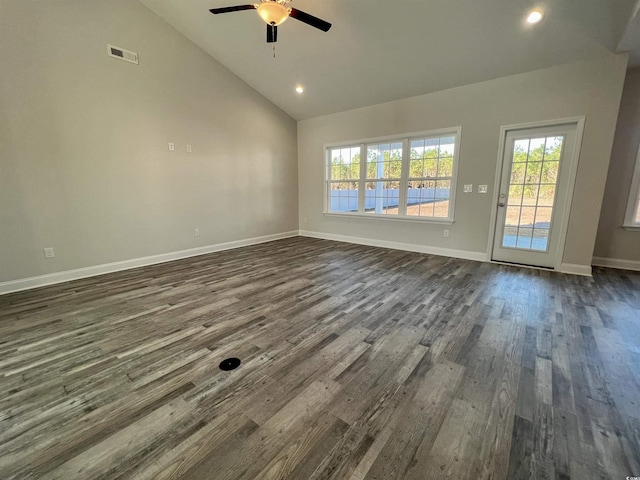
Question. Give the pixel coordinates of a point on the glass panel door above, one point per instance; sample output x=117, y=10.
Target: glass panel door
x=533, y=189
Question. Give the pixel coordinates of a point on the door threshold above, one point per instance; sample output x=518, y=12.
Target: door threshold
x=525, y=265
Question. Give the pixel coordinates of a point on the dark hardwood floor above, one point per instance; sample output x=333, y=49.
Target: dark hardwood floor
x=357, y=363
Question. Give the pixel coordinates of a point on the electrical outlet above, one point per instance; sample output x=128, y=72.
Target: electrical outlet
x=446, y=232
x=49, y=253
x=172, y=146
x=188, y=148
x=482, y=188
x=468, y=189
x=196, y=232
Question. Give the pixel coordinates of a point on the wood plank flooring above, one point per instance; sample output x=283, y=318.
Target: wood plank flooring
x=358, y=363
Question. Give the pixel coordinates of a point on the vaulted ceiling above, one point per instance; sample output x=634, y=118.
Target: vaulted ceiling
x=382, y=50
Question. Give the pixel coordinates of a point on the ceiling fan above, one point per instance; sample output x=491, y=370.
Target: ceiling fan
x=274, y=12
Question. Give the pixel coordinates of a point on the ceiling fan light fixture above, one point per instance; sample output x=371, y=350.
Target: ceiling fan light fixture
x=272, y=12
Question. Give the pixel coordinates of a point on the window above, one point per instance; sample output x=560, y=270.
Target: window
x=384, y=173
x=344, y=177
x=632, y=217
x=430, y=176
x=410, y=178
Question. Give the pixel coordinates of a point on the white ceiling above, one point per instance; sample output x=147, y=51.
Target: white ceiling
x=630, y=38
x=382, y=50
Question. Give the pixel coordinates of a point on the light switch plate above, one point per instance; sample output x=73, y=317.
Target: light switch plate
x=468, y=189
x=482, y=188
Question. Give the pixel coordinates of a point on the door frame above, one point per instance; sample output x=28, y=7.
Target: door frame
x=561, y=220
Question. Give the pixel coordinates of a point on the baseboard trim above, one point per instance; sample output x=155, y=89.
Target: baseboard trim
x=575, y=269
x=616, y=263
x=410, y=247
x=78, y=273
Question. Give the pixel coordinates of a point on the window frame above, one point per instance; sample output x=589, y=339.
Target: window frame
x=633, y=201
x=405, y=140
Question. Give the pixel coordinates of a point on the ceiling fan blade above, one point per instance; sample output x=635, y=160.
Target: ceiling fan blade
x=310, y=20
x=235, y=8
x=272, y=33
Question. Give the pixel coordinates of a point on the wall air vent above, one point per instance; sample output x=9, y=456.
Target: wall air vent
x=122, y=54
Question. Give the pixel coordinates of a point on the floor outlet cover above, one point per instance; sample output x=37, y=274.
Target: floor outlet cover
x=230, y=364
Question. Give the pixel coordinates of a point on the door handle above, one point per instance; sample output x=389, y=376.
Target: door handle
x=501, y=204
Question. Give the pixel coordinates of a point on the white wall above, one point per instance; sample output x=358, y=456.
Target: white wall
x=589, y=88
x=614, y=242
x=84, y=164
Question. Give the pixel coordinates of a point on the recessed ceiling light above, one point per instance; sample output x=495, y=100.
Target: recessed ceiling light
x=534, y=16
x=299, y=89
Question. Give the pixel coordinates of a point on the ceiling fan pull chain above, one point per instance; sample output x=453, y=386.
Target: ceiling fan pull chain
x=274, y=50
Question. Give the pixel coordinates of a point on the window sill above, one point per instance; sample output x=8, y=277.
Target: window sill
x=394, y=218
x=632, y=228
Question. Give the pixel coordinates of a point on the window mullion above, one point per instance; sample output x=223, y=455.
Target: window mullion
x=362, y=180
x=404, y=174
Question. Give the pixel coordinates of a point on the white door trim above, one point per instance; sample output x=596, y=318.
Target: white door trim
x=563, y=221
